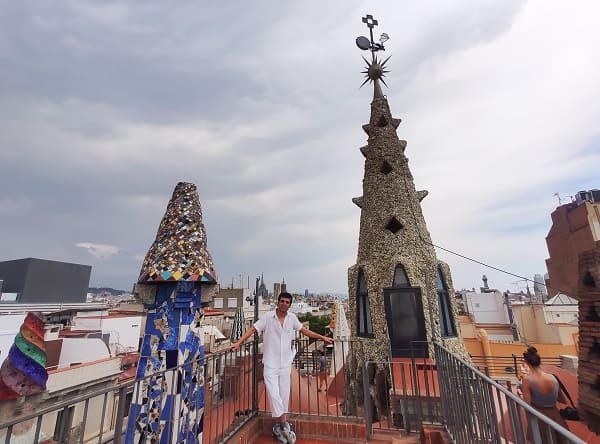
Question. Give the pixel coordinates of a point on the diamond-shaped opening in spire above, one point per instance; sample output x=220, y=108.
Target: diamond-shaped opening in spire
x=394, y=225
x=382, y=122
x=386, y=168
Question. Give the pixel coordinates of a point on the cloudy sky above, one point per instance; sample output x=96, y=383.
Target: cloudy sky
x=105, y=106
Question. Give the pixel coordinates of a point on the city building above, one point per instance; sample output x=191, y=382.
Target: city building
x=263, y=292
x=502, y=324
x=575, y=228
x=74, y=362
x=34, y=280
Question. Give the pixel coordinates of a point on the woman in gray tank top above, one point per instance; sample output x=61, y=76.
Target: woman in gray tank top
x=541, y=390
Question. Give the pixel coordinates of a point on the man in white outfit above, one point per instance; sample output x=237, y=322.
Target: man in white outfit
x=278, y=328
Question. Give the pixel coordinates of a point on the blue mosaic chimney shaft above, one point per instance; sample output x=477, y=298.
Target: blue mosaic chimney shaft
x=168, y=403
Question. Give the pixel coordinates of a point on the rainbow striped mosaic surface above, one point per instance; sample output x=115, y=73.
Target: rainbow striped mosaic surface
x=23, y=372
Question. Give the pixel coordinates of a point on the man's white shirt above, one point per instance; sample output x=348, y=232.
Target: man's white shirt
x=277, y=342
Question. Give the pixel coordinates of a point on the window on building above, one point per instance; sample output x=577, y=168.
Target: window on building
x=128, y=399
x=400, y=277
x=231, y=302
x=9, y=297
x=218, y=302
x=363, y=310
x=447, y=326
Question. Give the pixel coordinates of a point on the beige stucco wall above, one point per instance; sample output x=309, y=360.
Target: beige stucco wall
x=531, y=322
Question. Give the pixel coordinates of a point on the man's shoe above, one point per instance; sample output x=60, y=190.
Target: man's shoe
x=286, y=431
x=277, y=433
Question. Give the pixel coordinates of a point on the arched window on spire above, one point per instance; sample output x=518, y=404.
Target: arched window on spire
x=447, y=325
x=404, y=316
x=364, y=325
x=400, y=277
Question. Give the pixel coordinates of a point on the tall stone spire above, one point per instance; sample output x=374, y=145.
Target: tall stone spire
x=400, y=295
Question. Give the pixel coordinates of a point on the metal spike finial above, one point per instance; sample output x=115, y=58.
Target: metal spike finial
x=375, y=70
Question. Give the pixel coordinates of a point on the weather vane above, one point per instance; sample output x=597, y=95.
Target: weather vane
x=375, y=70
x=364, y=43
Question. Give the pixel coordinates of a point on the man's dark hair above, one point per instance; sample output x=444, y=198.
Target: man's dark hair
x=285, y=295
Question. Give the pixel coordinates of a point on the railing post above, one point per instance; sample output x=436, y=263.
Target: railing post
x=255, y=373
x=367, y=401
x=120, y=415
x=255, y=351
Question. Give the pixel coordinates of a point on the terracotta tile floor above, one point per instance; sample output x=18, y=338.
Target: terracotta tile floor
x=378, y=438
x=271, y=440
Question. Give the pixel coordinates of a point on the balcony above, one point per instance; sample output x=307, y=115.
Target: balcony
x=446, y=397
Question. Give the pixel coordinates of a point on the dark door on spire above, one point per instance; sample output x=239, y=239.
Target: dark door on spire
x=405, y=322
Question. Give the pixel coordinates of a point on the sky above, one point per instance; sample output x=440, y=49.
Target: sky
x=105, y=106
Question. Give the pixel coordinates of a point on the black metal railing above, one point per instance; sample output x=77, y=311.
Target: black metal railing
x=413, y=392
x=446, y=390
x=506, y=366
x=83, y=418
x=306, y=398
x=102, y=416
x=229, y=395
x=477, y=409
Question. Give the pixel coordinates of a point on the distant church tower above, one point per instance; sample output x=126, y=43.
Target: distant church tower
x=263, y=293
x=400, y=296
x=279, y=287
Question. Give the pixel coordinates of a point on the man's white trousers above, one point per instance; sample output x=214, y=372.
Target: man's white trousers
x=277, y=384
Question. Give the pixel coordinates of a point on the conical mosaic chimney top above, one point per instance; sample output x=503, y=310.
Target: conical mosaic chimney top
x=180, y=252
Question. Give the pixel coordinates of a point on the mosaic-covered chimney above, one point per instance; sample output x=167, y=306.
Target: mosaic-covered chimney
x=589, y=338
x=400, y=295
x=176, y=276
x=23, y=372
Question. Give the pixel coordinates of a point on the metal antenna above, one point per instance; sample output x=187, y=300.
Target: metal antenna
x=557, y=195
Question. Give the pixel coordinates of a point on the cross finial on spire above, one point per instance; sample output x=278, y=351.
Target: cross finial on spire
x=370, y=21
x=375, y=68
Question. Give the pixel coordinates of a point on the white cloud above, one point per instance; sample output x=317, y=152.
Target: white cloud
x=101, y=251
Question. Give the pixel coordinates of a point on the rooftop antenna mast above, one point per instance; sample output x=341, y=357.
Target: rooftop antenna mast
x=557, y=195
